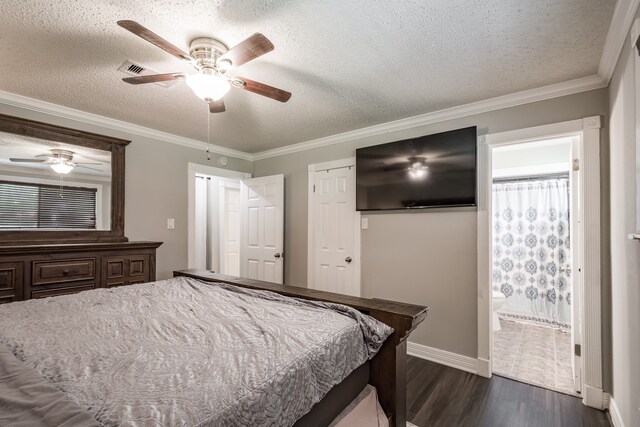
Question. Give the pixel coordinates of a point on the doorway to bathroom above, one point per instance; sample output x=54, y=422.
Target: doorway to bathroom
x=532, y=261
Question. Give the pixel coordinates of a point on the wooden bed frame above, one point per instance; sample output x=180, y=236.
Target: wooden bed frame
x=388, y=367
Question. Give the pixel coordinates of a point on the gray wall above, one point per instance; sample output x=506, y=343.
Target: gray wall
x=625, y=253
x=155, y=189
x=425, y=257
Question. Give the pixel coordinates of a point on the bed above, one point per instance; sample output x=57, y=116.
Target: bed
x=200, y=349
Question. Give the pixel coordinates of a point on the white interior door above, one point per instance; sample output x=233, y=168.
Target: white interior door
x=230, y=227
x=263, y=228
x=575, y=210
x=335, y=263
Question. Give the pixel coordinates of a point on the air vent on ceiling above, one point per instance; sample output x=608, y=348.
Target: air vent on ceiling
x=135, y=69
x=132, y=69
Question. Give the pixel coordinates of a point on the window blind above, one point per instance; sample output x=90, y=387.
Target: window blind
x=27, y=205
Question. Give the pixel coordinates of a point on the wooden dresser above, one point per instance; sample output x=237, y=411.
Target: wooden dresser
x=45, y=270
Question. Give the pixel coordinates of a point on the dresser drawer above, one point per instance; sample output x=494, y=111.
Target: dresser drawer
x=11, y=282
x=5, y=299
x=65, y=270
x=10, y=276
x=67, y=290
x=125, y=270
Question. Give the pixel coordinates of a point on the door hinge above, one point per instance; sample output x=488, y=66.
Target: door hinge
x=578, y=350
x=576, y=164
x=314, y=188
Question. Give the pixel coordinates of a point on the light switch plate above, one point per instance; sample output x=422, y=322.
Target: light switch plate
x=171, y=223
x=364, y=223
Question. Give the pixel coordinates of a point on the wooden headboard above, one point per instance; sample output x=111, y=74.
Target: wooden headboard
x=388, y=367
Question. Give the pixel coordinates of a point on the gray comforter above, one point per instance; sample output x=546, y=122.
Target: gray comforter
x=183, y=352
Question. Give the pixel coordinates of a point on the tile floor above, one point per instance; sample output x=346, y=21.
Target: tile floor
x=533, y=354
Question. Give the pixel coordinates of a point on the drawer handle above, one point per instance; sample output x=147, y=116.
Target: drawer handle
x=66, y=272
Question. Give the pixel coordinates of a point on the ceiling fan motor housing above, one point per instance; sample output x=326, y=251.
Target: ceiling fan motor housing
x=63, y=155
x=206, y=51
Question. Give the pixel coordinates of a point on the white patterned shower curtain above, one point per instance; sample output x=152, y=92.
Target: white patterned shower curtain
x=531, y=250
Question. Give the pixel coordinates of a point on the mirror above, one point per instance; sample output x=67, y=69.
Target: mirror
x=59, y=185
x=53, y=185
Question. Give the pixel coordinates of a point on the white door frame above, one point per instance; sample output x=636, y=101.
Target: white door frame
x=312, y=169
x=192, y=170
x=588, y=129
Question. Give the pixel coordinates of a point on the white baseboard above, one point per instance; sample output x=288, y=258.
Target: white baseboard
x=616, y=419
x=454, y=360
x=483, y=368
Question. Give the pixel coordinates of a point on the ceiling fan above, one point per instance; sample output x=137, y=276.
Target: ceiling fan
x=212, y=59
x=61, y=161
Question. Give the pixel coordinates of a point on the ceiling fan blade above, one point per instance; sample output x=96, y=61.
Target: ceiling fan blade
x=263, y=89
x=27, y=160
x=87, y=167
x=217, y=106
x=87, y=163
x=154, y=78
x=249, y=49
x=155, y=39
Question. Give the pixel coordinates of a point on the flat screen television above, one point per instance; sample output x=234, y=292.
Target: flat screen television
x=430, y=171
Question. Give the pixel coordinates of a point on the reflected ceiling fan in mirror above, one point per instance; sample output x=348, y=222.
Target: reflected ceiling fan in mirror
x=61, y=161
x=212, y=59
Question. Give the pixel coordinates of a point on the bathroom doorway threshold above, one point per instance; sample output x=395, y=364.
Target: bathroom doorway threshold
x=537, y=384
x=534, y=354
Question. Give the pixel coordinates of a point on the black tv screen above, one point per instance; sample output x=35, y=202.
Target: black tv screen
x=436, y=170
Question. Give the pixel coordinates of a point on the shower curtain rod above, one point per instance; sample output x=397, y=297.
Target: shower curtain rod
x=554, y=175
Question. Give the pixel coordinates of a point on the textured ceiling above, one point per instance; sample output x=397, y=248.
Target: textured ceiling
x=349, y=64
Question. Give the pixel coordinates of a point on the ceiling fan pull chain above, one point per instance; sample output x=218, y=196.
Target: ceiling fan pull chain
x=208, y=133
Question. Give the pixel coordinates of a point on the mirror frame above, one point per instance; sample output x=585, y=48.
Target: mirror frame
x=116, y=146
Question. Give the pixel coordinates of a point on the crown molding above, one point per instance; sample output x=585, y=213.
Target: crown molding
x=621, y=22
x=511, y=100
x=49, y=108
x=518, y=98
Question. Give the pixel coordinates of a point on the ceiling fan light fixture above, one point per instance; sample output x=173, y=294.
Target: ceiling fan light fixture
x=417, y=170
x=61, y=167
x=208, y=84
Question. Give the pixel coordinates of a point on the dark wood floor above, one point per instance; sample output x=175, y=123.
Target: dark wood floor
x=441, y=396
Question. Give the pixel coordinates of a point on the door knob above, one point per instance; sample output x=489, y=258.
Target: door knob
x=277, y=255
x=348, y=260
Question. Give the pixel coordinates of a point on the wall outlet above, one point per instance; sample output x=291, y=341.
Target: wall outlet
x=364, y=223
x=171, y=223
